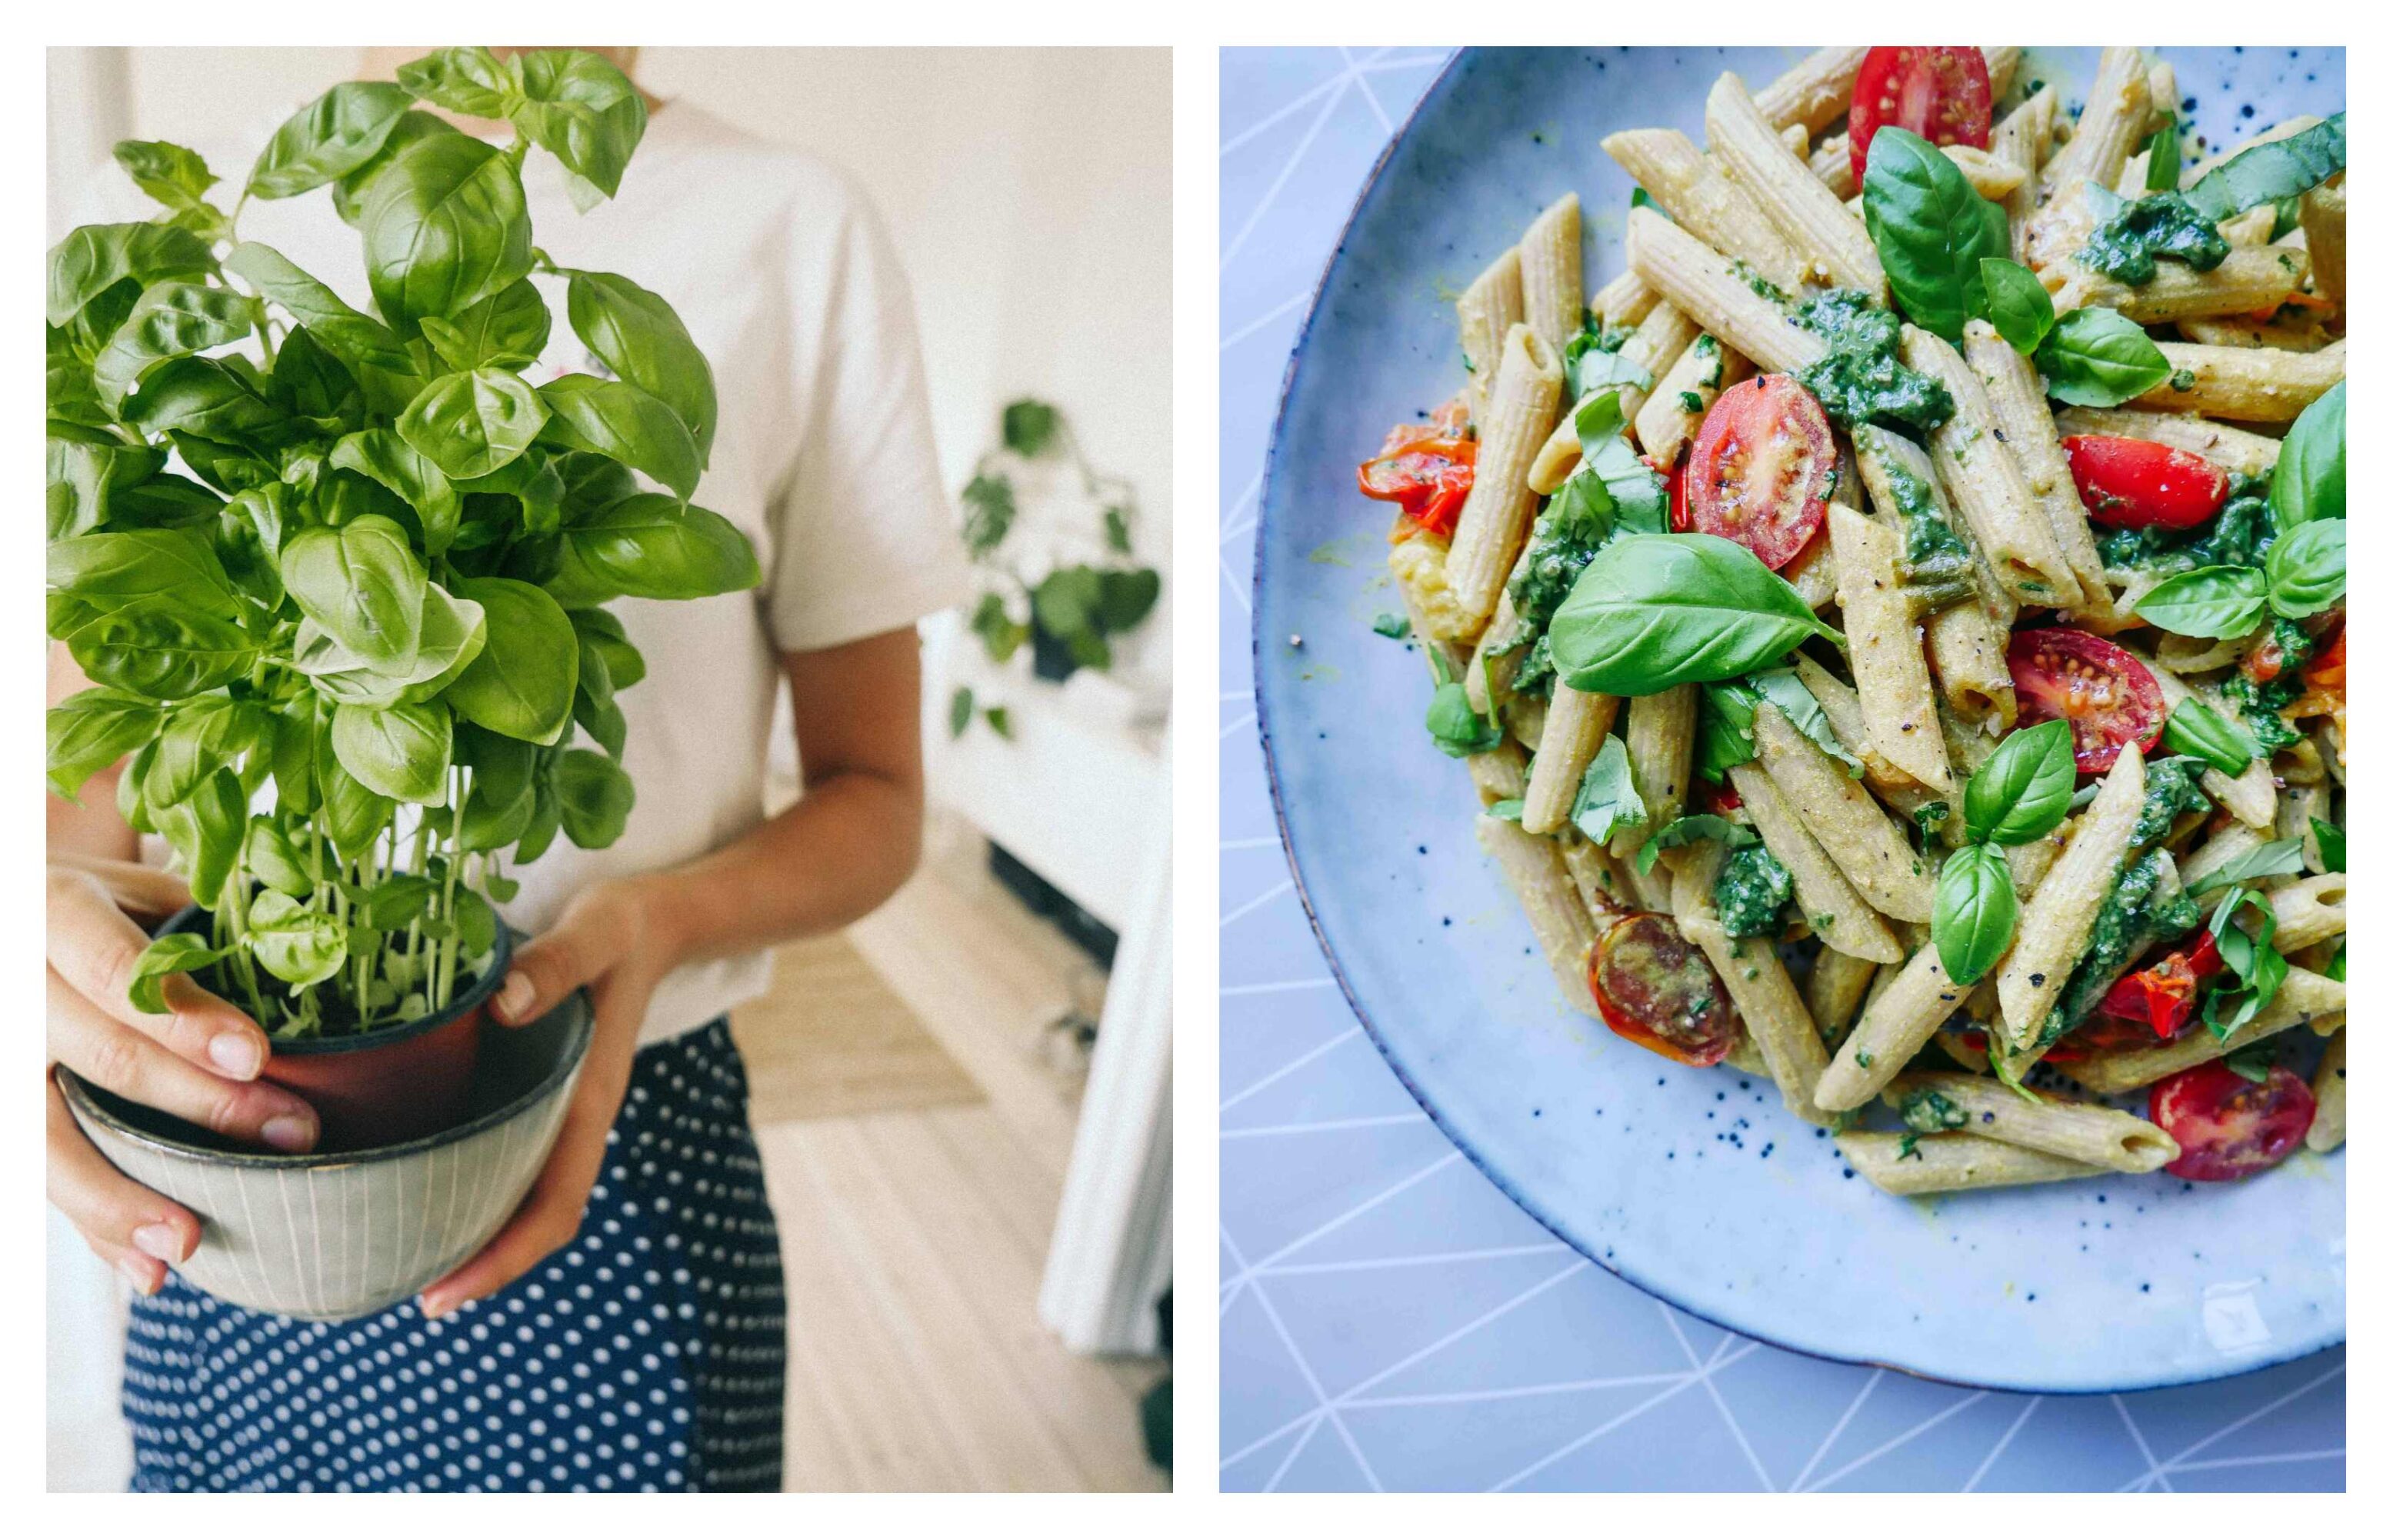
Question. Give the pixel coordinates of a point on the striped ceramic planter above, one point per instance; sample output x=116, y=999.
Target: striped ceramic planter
x=328, y=1238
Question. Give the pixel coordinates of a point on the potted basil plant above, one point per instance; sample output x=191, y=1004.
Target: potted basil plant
x=340, y=575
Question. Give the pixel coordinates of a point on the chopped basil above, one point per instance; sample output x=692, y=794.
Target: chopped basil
x=1396, y=628
x=1607, y=800
x=2197, y=728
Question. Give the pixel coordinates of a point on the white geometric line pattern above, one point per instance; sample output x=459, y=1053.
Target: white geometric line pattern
x=1389, y=1318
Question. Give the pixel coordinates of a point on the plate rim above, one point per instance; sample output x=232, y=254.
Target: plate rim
x=1436, y=92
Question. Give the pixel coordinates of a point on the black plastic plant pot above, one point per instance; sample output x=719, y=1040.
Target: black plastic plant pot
x=395, y=1083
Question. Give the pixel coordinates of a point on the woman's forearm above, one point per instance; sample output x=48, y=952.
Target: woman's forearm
x=829, y=859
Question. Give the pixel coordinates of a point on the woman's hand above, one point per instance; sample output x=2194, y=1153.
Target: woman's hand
x=610, y=939
x=200, y=1062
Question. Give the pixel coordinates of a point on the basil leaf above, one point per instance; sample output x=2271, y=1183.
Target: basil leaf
x=1686, y=830
x=521, y=684
x=268, y=855
x=1724, y=730
x=352, y=815
x=172, y=319
x=93, y=259
x=174, y=176
x=202, y=399
x=401, y=752
x=200, y=739
x=2196, y=728
x=91, y=730
x=2257, y=965
x=471, y=81
x=297, y=945
x=2021, y=792
x=623, y=422
x=328, y=138
x=2307, y=484
x=1509, y=809
x=2266, y=172
x=593, y=798
x=2277, y=859
x=474, y=423
x=506, y=330
x=1785, y=690
x=160, y=648
x=1654, y=611
x=2016, y=303
x=383, y=456
x=179, y=953
x=1976, y=911
x=2209, y=601
x=2306, y=568
x=600, y=629
x=583, y=110
x=363, y=583
x=2165, y=167
x=650, y=547
x=2095, y=357
x=1607, y=800
x=206, y=833
x=2330, y=844
x=1932, y=230
x=351, y=192
x=445, y=226
x=115, y=567
x=635, y=333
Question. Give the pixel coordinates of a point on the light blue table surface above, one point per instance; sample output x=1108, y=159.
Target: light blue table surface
x=1389, y=1319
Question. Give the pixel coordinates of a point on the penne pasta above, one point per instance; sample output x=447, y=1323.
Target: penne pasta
x=1849, y=824
x=1914, y=1165
x=1488, y=310
x=2054, y=926
x=1836, y=911
x=2252, y=280
x=1894, y=1026
x=1577, y=724
x=2247, y=385
x=1766, y=998
x=1816, y=92
x=1889, y=669
x=1703, y=284
x=1830, y=241
x=1668, y=422
x=2229, y=448
x=1717, y=211
x=2023, y=419
x=1553, y=291
x=1624, y=301
x=2326, y=1085
x=1977, y=468
x=2322, y=223
x=1661, y=739
x=1834, y=992
x=1543, y=884
x=1494, y=518
x=2075, y=1131
x=2302, y=999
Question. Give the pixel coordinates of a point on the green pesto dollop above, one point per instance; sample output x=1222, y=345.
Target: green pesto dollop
x=1935, y=564
x=2157, y=225
x=2238, y=535
x=2171, y=788
x=1864, y=379
x=2133, y=917
x=2261, y=708
x=1752, y=887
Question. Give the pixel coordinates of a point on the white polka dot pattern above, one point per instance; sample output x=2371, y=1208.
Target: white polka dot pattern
x=648, y=1355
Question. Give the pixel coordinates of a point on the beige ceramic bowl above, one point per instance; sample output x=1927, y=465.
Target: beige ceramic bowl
x=328, y=1238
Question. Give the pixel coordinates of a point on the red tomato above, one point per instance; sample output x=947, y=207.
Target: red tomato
x=1677, y=480
x=1655, y=989
x=2109, y=700
x=2325, y=670
x=2135, y=484
x=2265, y=661
x=2163, y=994
x=1427, y=477
x=1759, y=474
x=1717, y=797
x=1942, y=95
x=2229, y=1126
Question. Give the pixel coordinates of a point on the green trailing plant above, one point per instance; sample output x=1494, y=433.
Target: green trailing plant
x=1070, y=615
x=340, y=575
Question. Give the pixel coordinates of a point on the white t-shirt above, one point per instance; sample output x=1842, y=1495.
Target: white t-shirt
x=822, y=456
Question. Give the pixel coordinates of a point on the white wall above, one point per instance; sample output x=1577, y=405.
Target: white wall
x=1029, y=193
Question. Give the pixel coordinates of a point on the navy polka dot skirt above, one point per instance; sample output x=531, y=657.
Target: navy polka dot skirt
x=646, y=1355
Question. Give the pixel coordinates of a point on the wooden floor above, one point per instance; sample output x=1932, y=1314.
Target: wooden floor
x=914, y=1238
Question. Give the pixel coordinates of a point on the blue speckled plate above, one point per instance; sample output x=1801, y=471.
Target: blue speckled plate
x=1693, y=1184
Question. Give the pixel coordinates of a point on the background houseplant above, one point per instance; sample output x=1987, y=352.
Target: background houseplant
x=340, y=577
x=1069, y=615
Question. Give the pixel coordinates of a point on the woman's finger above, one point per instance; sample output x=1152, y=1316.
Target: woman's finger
x=113, y=1056
x=587, y=940
x=93, y=945
x=137, y=889
x=128, y=1225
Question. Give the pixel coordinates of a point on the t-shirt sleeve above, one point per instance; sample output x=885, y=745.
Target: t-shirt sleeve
x=864, y=539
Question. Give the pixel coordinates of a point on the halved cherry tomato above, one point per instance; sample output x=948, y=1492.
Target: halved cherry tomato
x=1428, y=477
x=1759, y=471
x=1655, y=989
x=1942, y=95
x=1678, y=482
x=2163, y=995
x=2229, y=1126
x=2109, y=699
x=2136, y=484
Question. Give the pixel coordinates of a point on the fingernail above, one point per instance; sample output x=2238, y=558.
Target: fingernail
x=434, y=1306
x=515, y=996
x=234, y=1053
x=138, y=1275
x=160, y=1241
x=289, y=1132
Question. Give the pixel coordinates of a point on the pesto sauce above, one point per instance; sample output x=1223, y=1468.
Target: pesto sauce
x=2131, y=918
x=2261, y=708
x=2239, y=535
x=1935, y=560
x=2157, y=225
x=2171, y=788
x=1752, y=887
x=1707, y=348
x=1862, y=380
x=1932, y=1111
